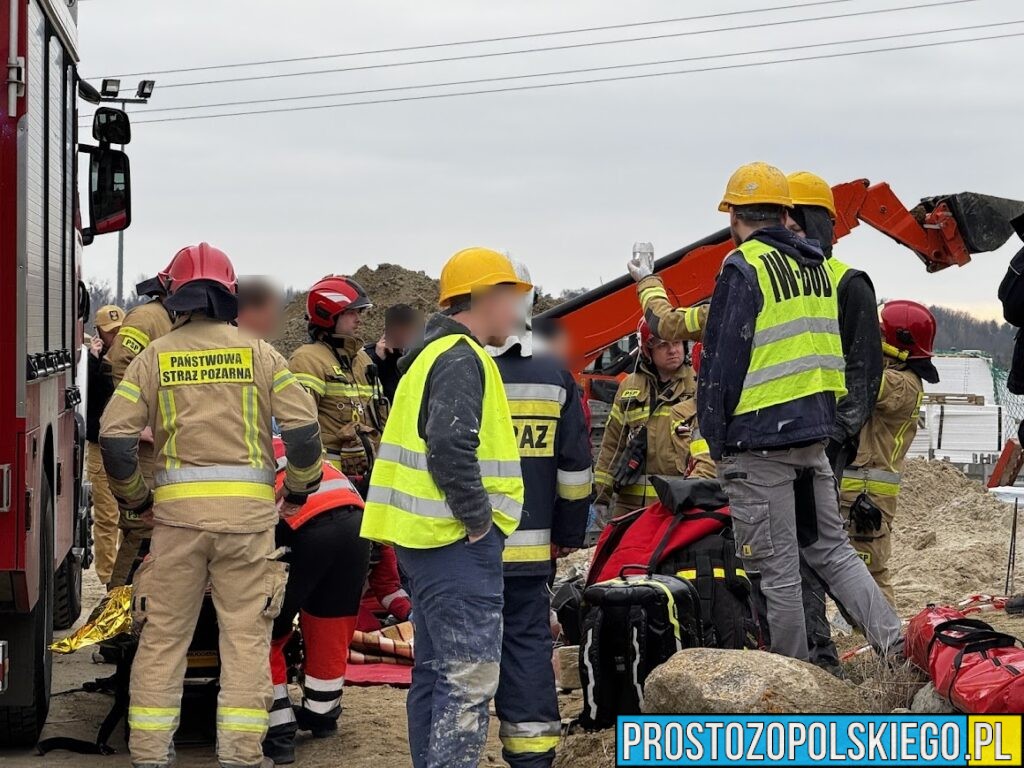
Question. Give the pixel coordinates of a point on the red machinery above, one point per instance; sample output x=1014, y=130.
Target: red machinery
x=942, y=231
x=44, y=530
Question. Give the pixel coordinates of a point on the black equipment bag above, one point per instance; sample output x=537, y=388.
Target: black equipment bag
x=631, y=625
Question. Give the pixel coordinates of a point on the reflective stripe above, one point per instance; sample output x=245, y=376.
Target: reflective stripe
x=792, y=328
x=281, y=717
x=242, y=719
x=387, y=600
x=250, y=419
x=128, y=391
x=805, y=364
x=528, y=546
x=868, y=473
x=575, y=485
x=435, y=508
x=180, y=491
x=869, y=486
x=169, y=418
x=603, y=478
x=324, y=686
x=417, y=460
x=530, y=738
x=719, y=573
x=691, y=319
x=206, y=474
x=140, y=337
x=551, y=392
x=341, y=389
x=153, y=718
x=699, y=447
x=649, y=292
x=334, y=485
x=312, y=383
x=304, y=475
x=615, y=414
x=897, y=446
x=282, y=379
x=548, y=408
x=321, y=707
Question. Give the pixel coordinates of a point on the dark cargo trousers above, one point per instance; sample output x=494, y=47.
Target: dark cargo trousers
x=456, y=593
x=527, y=702
x=762, y=496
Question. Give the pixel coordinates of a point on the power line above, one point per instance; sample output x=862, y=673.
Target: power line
x=539, y=86
x=507, y=38
x=567, y=46
x=558, y=73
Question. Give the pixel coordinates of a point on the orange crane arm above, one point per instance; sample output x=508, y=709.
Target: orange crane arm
x=942, y=231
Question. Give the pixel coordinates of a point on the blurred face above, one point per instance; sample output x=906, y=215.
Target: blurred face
x=261, y=321
x=500, y=312
x=107, y=336
x=348, y=322
x=402, y=336
x=667, y=356
x=558, y=345
x=793, y=227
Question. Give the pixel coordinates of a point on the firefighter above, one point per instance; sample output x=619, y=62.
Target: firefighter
x=105, y=515
x=649, y=427
x=446, y=490
x=327, y=560
x=210, y=392
x=142, y=325
x=771, y=373
x=334, y=368
x=547, y=414
x=871, y=484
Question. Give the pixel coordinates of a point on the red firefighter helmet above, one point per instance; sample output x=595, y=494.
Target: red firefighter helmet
x=332, y=295
x=695, y=353
x=909, y=326
x=199, y=262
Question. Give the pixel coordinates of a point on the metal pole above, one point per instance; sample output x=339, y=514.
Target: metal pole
x=120, y=254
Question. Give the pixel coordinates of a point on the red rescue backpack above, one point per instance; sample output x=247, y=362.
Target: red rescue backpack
x=976, y=668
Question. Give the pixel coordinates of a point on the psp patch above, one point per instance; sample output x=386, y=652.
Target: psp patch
x=208, y=366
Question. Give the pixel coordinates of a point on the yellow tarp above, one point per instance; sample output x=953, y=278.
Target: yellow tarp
x=115, y=619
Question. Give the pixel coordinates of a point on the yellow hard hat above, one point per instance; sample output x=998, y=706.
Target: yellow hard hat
x=472, y=269
x=808, y=189
x=756, y=184
x=109, y=317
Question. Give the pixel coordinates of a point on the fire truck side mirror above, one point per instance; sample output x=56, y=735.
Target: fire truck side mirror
x=111, y=126
x=110, y=200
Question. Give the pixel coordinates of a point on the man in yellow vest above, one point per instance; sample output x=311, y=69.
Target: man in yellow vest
x=446, y=490
x=771, y=374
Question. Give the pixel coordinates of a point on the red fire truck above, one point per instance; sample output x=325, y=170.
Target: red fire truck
x=44, y=536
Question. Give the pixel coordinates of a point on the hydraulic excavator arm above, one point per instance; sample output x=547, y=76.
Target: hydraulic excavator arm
x=943, y=231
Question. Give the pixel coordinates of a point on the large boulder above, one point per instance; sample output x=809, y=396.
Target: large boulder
x=715, y=681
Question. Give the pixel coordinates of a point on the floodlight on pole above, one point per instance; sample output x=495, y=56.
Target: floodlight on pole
x=145, y=89
x=110, y=87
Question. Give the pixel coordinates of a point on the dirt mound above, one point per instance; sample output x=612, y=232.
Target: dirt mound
x=387, y=285
x=950, y=539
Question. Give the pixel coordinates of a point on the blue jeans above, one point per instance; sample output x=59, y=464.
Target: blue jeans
x=457, y=597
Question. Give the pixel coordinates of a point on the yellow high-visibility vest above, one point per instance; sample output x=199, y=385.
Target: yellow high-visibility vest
x=797, y=350
x=404, y=506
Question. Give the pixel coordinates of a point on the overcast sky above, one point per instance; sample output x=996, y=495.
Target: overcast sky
x=563, y=178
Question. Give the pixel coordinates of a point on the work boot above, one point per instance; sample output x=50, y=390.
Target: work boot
x=321, y=726
x=280, y=748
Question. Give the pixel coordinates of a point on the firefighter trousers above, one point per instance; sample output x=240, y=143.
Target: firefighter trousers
x=135, y=534
x=762, y=495
x=247, y=589
x=526, y=701
x=105, y=532
x=328, y=562
x=457, y=602
x=874, y=548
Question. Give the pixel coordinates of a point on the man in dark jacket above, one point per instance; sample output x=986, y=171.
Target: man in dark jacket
x=771, y=372
x=547, y=414
x=402, y=326
x=105, y=532
x=812, y=216
x=446, y=491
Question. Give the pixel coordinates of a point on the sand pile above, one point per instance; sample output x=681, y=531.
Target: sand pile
x=386, y=285
x=951, y=537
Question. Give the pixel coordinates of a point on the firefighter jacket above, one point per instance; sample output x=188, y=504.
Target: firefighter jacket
x=668, y=322
x=350, y=412
x=448, y=464
x=209, y=394
x=669, y=412
x=885, y=439
x=142, y=325
x=335, y=492
x=554, y=445
x=773, y=361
